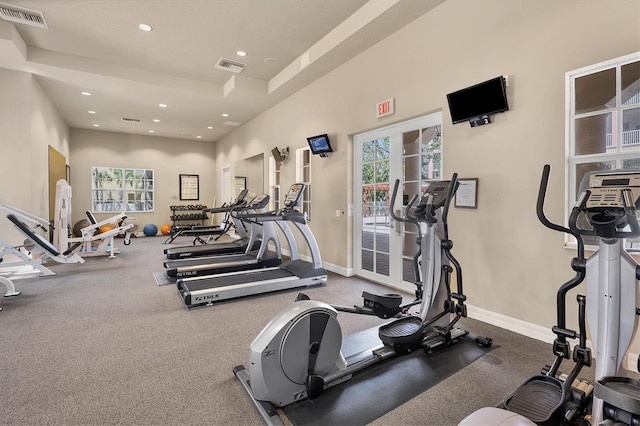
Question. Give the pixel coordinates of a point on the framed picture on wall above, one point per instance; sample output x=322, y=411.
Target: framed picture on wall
x=189, y=187
x=467, y=193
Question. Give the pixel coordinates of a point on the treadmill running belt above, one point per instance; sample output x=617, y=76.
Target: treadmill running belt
x=379, y=389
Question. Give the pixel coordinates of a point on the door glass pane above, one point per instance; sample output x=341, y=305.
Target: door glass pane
x=367, y=260
x=411, y=143
x=411, y=168
x=594, y=134
x=432, y=152
x=382, y=148
x=382, y=171
x=382, y=264
x=596, y=91
x=368, y=149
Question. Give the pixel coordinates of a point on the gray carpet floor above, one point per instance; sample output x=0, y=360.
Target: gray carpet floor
x=100, y=343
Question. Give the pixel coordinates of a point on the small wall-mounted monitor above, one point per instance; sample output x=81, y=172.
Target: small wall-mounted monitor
x=320, y=145
x=276, y=155
x=476, y=103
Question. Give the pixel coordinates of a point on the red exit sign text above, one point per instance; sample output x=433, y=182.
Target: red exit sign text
x=385, y=108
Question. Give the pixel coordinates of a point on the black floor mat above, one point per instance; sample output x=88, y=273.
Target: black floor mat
x=383, y=387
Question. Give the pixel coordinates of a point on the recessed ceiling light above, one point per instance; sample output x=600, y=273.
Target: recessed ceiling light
x=155, y=120
x=145, y=27
x=162, y=105
x=241, y=53
x=96, y=125
x=85, y=93
x=199, y=137
x=225, y=115
x=152, y=131
x=91, y=112
x=209, y=127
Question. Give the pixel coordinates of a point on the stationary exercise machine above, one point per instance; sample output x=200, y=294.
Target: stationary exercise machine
x=198, y=232
x=265, y=232
x=298, y=353
x=91, y=241
x=607, y=209
x=27, y=260
x=207, y=290
x=241, y=245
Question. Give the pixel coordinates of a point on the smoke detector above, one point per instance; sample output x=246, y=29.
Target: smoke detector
x=21, y=15
x=229, y=65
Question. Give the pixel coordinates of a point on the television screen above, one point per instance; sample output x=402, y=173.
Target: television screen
x=485, y=98
x=320, y=144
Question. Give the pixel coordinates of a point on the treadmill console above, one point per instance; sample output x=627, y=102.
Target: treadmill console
x=259, y=201
x=294, y=196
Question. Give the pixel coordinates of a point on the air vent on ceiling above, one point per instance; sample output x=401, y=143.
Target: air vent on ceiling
x=229, y=65
x=231, y=123
x=131, y=120
x=20, y=15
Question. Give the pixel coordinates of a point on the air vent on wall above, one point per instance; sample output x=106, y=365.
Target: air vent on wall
x=131, y=120
x=20, y=15
x=229, y=65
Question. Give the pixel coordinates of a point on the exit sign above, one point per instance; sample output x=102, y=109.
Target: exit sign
x=385, y=108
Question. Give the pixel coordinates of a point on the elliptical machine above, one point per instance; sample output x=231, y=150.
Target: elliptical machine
x=606, y=209
x=298, y=353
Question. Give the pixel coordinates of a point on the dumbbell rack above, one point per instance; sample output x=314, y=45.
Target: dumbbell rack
x=181, y=213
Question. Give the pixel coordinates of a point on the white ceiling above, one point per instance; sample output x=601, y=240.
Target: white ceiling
x=96, y=46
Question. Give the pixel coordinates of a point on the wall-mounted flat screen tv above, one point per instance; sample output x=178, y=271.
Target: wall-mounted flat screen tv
x=320, y=145
x=483, y=99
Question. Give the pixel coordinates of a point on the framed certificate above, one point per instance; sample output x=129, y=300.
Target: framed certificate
x=189, y=187
x=467, y=193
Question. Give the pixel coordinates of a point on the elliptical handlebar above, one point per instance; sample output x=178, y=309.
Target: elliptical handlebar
x=453, y=187
x=542, y=192
x=408, y=218
x=578, y=264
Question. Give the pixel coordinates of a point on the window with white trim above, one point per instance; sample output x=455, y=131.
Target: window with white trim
x=274, y=184
x=116, y=189
x=303, y=175
x=603, y=119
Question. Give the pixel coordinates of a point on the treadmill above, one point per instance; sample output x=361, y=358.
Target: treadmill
x=240, y=245
x=254, y=259
x=207, y=290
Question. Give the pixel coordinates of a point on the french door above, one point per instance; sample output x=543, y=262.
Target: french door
x=411, y=153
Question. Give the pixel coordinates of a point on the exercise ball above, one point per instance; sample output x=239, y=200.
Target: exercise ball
x=150, y=230
x=106, y=228
x=77, y=228
x=165, y=229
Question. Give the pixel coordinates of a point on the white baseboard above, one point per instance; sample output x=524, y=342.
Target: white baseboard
x=512, y=324
x=534, y=331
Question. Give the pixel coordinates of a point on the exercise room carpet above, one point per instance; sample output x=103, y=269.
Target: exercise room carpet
x=383, y=387
x=102, y=344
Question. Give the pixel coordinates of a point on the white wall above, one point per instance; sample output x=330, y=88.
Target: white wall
x=512, y=264
x=29, y=123
x=166, y=156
